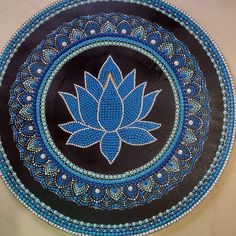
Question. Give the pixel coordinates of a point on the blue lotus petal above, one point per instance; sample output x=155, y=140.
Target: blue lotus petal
x=85, y=138
x=148, y=103
x=133, y=105
x=110, y=68
x=88, y=107
x=147, y=125
x=127, y=85
x=110, y=108
x=110, y=146
x=72, y=127
x=72, y=105
x=93, y=85
x=136, y=136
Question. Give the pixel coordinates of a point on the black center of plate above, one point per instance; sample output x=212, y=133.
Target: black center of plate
x=72, y=72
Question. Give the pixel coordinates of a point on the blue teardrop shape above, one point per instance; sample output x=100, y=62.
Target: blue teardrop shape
x=110, y=108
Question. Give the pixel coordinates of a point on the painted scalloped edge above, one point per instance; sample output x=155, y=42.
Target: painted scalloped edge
x=209, y=54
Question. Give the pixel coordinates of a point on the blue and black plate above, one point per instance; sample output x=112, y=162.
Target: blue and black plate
x=117, y=117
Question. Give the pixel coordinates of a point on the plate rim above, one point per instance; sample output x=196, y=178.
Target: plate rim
x=148, y=3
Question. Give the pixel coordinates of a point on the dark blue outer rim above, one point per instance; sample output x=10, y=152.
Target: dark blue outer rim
x=188, y=203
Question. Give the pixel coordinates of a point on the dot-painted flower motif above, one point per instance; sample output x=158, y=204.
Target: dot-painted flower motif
x=110, y=110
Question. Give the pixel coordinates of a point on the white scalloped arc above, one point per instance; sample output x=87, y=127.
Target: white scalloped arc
x=144, y=4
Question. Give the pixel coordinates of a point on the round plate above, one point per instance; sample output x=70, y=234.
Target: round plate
x=117, y=117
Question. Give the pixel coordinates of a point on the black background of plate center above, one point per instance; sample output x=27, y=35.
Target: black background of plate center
x=137, y=213
x=91, y=60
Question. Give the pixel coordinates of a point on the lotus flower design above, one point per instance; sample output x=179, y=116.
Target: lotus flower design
x=109, y=110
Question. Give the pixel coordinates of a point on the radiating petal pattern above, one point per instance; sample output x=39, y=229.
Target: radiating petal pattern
x=110, y=108
x=133, y=105
x=136, y=136
x=110, y=69
x=148, y=103
x=127, y=85
x=85, y=138
x=92, y=85
x=72, y=127
x=72, y=105
x=110, y=146
x=147, y=125
x=88, y=107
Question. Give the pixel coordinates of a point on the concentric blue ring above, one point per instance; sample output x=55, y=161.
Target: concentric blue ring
x=199, y=192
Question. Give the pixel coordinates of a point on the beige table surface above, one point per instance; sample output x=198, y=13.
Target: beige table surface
x=216, y=215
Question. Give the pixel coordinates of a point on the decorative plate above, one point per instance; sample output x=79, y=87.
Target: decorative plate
x=117, y=117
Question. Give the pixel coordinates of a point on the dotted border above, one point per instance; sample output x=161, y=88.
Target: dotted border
x=225, y=78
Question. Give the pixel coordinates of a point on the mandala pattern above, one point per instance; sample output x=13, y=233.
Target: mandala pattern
x=110, y=110
x=52, y=169
x=38, y=151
